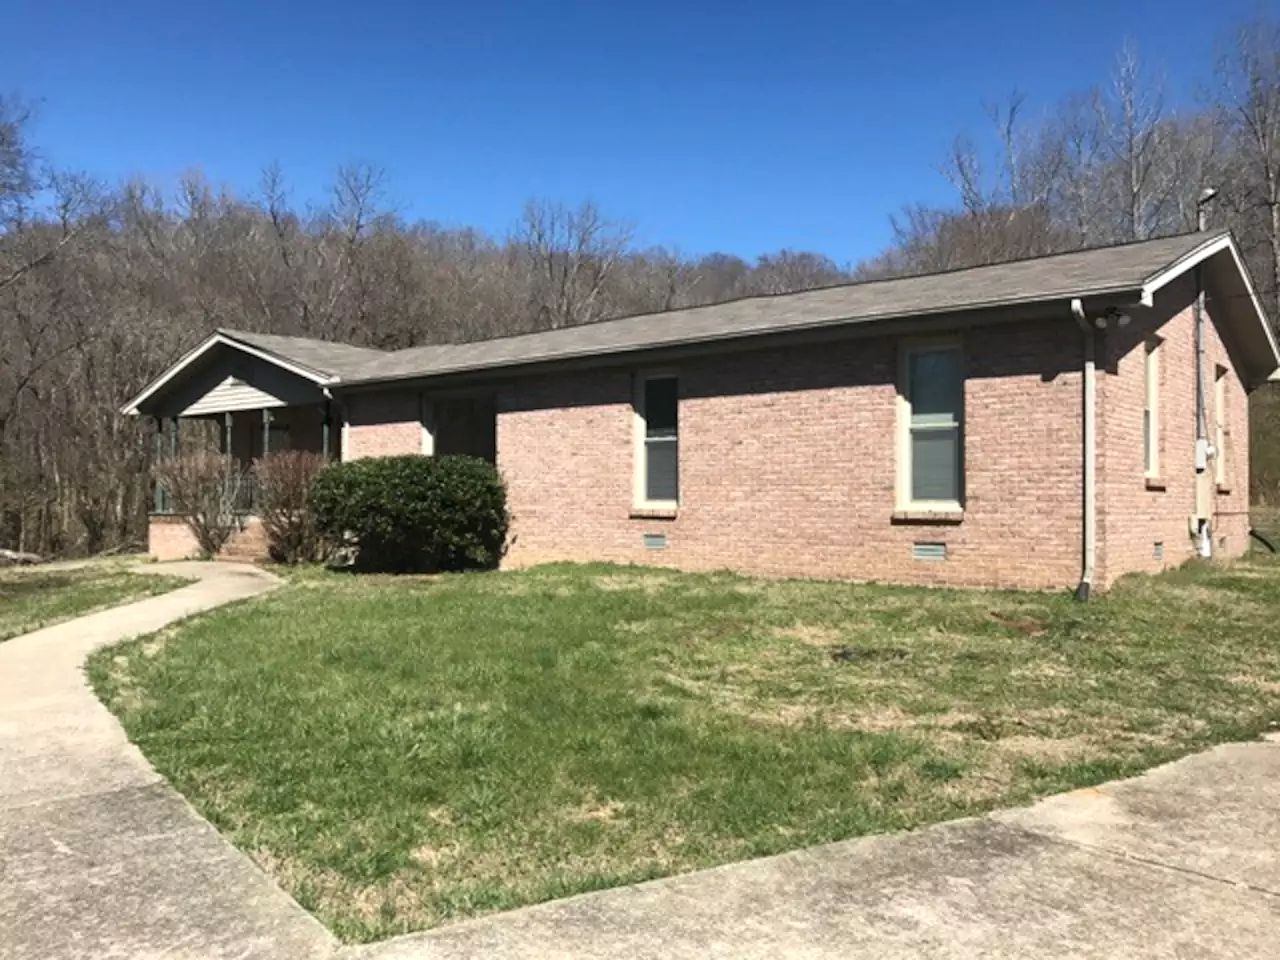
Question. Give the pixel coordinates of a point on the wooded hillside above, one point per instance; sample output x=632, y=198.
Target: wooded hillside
x=102, y=284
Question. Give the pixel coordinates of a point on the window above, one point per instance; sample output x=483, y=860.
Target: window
x=931, y=457
x=279, y=439
x=1220, y=432
x=657, y=484
x=1151, y=409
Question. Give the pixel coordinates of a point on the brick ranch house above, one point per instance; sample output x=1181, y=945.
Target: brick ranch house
x=1028, y=424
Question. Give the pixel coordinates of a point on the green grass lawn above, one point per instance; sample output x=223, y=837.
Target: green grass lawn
x=399, y=753
x=35, y=597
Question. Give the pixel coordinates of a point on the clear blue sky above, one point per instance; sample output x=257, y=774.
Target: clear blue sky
x=734, y=126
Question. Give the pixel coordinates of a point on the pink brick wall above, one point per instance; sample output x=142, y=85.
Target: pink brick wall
x=787, y=464
x=168, y=538
x=787, y=459
x=382, y=424
x=1137, y=514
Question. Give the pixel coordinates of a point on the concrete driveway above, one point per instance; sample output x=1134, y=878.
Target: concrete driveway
x=100, y=858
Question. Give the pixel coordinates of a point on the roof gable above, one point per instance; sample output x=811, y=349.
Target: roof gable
x=322, y=356
x=315, y=362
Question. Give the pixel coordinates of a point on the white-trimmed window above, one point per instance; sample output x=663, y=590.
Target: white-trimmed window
x=931, y=426
x=1151, y=408
x=657, y=423
x=1221, y=432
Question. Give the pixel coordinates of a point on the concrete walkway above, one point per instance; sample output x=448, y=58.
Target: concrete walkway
x=99, y=858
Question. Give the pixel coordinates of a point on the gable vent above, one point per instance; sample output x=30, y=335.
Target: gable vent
x=928, y=551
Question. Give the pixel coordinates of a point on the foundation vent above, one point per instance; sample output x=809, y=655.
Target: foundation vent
x=928, y=551
x=1157, y=550
x=655, y=541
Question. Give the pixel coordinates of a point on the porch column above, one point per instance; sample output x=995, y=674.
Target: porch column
x=166, y=448
x=266, y=430
x=324, y=429
x=226, y=433
x=157, y=491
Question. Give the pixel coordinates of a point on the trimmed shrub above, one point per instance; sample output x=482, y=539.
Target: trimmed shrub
x=284, y=492
x=414, y=512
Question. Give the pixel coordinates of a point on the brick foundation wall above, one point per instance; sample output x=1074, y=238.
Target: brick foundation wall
x=787, y=465
x=168, y=538
x=1136, y=514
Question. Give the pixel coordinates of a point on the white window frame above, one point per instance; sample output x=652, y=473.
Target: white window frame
x=639, y=490
x=1221, y=432
x=1151, y=433
x=905, y=503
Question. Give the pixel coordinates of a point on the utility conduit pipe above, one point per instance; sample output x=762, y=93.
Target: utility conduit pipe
x=1088, y=546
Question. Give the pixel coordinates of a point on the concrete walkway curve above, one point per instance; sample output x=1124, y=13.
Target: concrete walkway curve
x=99, y=857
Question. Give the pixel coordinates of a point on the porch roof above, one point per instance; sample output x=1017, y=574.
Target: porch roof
x=235, y=370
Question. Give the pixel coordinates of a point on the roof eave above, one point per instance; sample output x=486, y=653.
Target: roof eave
x=1121, y=295
x=1268, y=366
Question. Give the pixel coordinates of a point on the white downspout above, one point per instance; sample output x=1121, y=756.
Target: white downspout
x=1203, y=449
x=1088, y=546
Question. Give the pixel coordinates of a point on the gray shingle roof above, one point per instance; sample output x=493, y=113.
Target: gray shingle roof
x=1109, y=270
x=320, y=356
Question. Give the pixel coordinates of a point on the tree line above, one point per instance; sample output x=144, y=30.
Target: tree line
x=102, y=284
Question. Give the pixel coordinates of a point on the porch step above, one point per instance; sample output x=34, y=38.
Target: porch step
x=248, y=544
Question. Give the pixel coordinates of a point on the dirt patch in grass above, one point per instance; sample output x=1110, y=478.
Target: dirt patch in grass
x=1053, y=749
x=597, y=812
x=433, y=857
x=810, y=634
x=1264, y=684
x=645, y=582
x=1028, y=626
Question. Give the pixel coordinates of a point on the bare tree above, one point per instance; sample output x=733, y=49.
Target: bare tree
x=1131, y=126
x=1249, y=74
x=571, y=253
x=18, y=181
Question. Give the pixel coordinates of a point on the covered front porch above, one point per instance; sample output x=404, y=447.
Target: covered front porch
x=246, y=435
x=249, y=396
x=246, y=396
